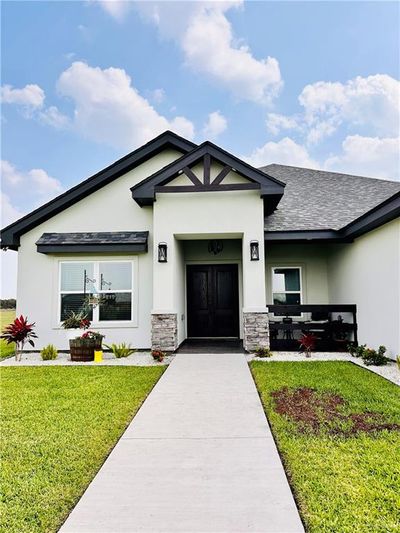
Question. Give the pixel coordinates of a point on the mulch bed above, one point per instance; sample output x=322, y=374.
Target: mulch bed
x=323, y=412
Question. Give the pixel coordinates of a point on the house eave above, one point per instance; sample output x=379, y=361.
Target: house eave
x=385, y=212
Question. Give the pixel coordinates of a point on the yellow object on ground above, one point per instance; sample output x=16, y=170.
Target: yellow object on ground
x=98, y=356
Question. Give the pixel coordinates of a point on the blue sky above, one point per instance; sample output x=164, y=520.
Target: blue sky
x=304, y=83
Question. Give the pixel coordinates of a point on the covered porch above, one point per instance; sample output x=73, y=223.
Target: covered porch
x=333, y=325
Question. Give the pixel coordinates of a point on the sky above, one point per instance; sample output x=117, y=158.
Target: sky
x=312, y=84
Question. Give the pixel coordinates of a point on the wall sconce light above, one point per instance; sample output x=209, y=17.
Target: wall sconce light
x=162, y=252
x=215, y=247
x=254, y=251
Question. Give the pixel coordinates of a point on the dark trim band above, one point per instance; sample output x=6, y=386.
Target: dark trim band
x=90, y=248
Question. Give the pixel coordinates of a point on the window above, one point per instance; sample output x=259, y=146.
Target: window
x=108, y=283
x=286, y=285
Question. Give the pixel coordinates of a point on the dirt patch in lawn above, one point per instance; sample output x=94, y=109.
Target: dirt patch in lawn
x=323, y=412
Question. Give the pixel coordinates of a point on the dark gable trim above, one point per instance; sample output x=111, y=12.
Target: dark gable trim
x=299, y=236
x=10, y=236
x=91, y=248
x=385, y=212
x=270, y=188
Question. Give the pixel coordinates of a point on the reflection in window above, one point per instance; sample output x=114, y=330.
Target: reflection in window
x=286, y=286
x=108, y=282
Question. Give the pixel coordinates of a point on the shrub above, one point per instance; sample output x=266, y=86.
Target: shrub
x=19, y=332
x=307, y=343
x=49, y=352
x=158, y=355
x=262, y=351
x=120, y=350
x=375, y=357
x=356, y=351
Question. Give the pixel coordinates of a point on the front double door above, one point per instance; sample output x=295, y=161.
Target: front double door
x=212, y=301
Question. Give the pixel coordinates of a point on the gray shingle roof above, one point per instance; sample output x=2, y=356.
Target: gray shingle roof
x=315, y=199
x=111, y=237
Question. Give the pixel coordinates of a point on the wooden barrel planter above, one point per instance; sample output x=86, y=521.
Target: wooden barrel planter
x=82, y=350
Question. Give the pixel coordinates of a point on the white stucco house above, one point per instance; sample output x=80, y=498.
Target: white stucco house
x=177, y=241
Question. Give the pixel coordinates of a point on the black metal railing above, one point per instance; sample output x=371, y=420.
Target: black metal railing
x=334, y=325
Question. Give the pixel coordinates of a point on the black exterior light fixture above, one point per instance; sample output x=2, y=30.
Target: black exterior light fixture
x=254, y=251
x=215, y=247
x=162, y=252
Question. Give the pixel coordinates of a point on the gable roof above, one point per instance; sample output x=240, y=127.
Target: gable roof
x=319, y=200
x=10, y=235
x=321, y=204
x=271, y=189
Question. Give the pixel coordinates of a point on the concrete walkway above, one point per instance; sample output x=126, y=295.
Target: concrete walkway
x=198, y=456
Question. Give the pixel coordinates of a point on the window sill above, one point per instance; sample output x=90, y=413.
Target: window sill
x=106, y=325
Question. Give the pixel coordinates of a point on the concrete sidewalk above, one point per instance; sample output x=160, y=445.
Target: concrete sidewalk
x=198, y=456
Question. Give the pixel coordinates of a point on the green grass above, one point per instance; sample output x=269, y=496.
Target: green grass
x=341, y=484
x=6, y=316
x=57, y=427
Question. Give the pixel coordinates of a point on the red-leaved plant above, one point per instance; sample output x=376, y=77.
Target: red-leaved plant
x=158, y=355
x=307, y=343
x=19, y=332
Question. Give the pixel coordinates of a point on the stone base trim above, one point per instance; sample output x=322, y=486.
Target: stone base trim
x=255, y=331
x=164, y=332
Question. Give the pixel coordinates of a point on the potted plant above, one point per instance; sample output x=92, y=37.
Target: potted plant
x=19, y=332
x=82, y=348
x=75, y=321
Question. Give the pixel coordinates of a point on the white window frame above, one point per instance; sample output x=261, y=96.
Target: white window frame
x=286, y=267
x=96, y=275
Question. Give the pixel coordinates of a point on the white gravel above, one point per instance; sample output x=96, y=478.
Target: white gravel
x=63, y=359
x=390, y=371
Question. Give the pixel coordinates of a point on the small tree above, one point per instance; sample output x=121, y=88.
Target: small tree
x=19, y=332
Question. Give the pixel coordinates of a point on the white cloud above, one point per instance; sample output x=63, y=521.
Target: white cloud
x=39, y=184
x=44, y=185
x=210, y=48
x=109, y=109
x=9, y=213
x=30, y=96
x=276, y=123
x=116, y=8
x=215, y=125
x=158, y=95
x=284, y=152
x=371, y=102
x=368, y=156
x=9, y=174
x=31, y=100
x=368, y=106
x=53, y=117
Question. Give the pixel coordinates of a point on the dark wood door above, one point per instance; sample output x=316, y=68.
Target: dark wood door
x=212, y=301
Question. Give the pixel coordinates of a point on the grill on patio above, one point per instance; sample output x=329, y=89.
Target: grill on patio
x=335, y=326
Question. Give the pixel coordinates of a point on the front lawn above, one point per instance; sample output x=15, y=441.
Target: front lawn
x=57, y=427
x=6, y=317
x=337, y=429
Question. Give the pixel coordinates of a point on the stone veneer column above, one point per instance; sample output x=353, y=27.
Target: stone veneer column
x=256, y=330
x=164, y=332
